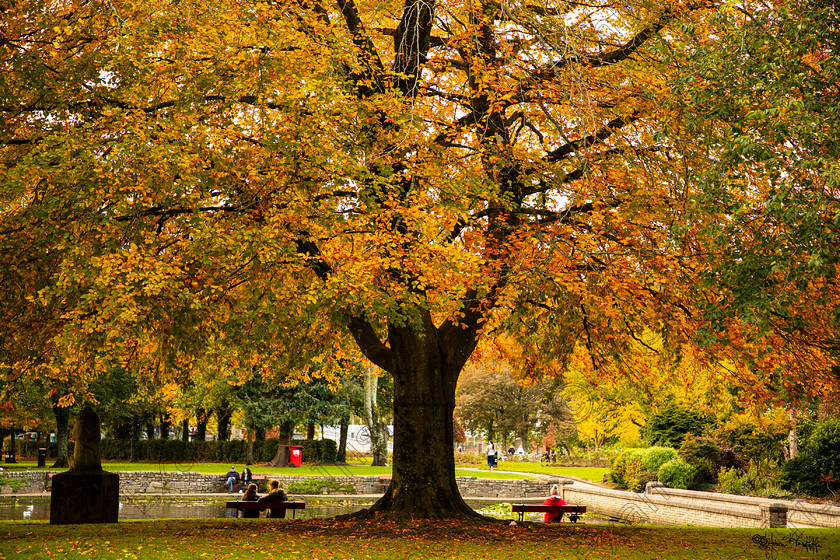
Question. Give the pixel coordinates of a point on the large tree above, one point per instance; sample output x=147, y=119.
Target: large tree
x=411, y=173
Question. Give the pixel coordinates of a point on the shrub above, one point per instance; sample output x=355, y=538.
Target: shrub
x=627, y=459
x=634, y=468
x=756, y=438
x=654, y=457
x=671, y=425
x=775, y=493
x=319, y=486
x=816, y=471
x=730, y=482
x=704, y=454
x=676, y=473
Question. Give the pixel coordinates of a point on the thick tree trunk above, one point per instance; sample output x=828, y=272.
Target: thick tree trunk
x=425, y=369
x=150, y=428
x=185, y=430
x=310, y=431
x=793, y=440
x=341, y=455
x=281, y=459
x=11, y=458
x=165, y=424
x=62, y=436
x=201, y=424
x=134, y=438
x=249, y=446
x=223, y=416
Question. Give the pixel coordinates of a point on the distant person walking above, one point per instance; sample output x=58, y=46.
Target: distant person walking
x=491, y=455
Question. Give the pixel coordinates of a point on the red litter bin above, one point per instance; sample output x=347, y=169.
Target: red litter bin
x=295, y=455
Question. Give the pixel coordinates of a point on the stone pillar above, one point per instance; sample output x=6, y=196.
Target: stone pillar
x=562, y=483
x=85, y=493
x=653, y=487
x=774, y=516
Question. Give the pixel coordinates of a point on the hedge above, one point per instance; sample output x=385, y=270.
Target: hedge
x=177, y=451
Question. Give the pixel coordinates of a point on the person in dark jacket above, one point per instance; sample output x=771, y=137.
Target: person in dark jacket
x=246, y=476
x=232, y=478
x=275, y=494
x=250, y=496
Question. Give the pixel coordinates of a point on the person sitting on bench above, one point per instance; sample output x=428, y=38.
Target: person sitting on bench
x=250, y=496
x=232, y=479
x=246, y=477
x=275, y=495
x=554, y=500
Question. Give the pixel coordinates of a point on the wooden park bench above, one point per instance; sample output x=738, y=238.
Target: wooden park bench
x=384, y=481
x=573, y=511
x=240, y=505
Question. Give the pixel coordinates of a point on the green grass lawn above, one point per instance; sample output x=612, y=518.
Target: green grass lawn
x=324, y=539
x=353, y=469
x=521, y=467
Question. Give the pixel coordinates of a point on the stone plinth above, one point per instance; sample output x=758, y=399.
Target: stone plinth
x=85, y=497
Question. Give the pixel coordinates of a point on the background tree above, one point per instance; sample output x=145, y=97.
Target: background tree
x=490, y=400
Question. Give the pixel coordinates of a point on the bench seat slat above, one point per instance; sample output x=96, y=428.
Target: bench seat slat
x=242, y=504
x=574, y=511
x=551, y=509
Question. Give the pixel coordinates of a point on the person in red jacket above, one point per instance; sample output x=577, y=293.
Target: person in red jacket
x=554, y=500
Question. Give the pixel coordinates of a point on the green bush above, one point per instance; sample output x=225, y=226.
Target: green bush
x=634, y=468
x=627, y=459
x=816, y=471
x=654, y=457
x=671, y=425
x=177, y=451
x=704, y=454
x=676, y=473
x=730, y=481
x=319, y=486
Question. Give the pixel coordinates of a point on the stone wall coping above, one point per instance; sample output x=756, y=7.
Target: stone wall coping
x=654, y=501
x=659, y=488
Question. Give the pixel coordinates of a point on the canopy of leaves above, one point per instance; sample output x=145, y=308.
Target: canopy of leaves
x=760, y=102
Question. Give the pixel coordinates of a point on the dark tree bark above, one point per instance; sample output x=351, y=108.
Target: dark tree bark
x=185, y=430
x=12, y=452
x=223, y=416
x=341, y=455
x=150, y=428
x=425, y=366
x=134, y=437
x=249, y=446
x=281, y=458
x=62, y=436
x=201, y=424
x=310, y=431
x=165, y=424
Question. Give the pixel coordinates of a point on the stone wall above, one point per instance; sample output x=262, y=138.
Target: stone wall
x=23, y=482
x=669, y=506
x=658, y=504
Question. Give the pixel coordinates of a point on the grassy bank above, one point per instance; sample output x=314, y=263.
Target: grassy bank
x=305, y=470
x=329, y=539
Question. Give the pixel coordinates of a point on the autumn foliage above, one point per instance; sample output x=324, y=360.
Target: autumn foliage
x=251, y=186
